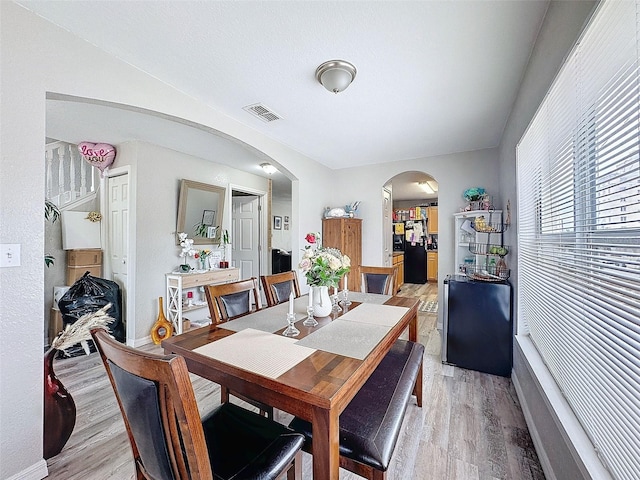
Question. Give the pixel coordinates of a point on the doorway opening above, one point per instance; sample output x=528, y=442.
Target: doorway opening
x=412, y=231
x=247, y=232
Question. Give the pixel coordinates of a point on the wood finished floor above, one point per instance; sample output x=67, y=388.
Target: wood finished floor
x=470, y=427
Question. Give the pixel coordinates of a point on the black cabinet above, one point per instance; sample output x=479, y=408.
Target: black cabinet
x=478, y=325
x=280, y=261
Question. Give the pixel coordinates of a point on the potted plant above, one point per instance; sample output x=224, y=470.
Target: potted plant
x=224, y=241
x=51, y=212
x=187, y=250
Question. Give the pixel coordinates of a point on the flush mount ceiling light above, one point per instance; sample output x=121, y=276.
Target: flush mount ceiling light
x=336, y=75
x=430, y=186
x=268, y=168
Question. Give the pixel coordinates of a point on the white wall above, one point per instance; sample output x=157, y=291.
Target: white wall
x=454, y=174
x=281, y=238
x=157, y=185
x=37, y=57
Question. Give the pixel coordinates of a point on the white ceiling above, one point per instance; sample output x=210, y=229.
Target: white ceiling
x=434, y=77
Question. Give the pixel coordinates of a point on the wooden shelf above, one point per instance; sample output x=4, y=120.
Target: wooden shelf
x=178, y=282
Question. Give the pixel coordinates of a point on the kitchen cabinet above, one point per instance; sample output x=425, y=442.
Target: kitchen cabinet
x=345, y=234
x=432, y=266
x=180, y=285
x=398, y=262
x=432, y=224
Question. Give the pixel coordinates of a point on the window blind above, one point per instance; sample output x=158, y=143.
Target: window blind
x=578, y=177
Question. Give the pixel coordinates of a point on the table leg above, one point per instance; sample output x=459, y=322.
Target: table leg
x=325, y=446
x=413, y=328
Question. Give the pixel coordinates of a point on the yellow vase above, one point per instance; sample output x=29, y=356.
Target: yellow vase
x=163, y=328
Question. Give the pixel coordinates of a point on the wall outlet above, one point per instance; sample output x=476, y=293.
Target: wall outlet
x=9, y=255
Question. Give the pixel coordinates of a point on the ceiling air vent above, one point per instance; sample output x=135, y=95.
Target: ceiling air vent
x=262, y=112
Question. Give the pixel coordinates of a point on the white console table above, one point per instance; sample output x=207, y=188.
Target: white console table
x=178, y=282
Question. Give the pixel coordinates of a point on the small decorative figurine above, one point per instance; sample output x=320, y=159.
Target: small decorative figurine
x=346, y=211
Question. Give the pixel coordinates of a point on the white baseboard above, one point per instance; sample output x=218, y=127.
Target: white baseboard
x=138, y=342
x=37, y=471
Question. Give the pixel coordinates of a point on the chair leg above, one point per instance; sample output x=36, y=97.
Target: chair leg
x=268, y=412
x=224, y=394
x=417, y=388
x=295, y=470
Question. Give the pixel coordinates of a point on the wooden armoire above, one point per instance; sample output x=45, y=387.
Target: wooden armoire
x=345, y=234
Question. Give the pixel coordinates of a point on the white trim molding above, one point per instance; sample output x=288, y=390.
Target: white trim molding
x=36, y=471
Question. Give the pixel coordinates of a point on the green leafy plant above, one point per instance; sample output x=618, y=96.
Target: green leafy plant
x=201, y=230
x=323, y=266
x=224, y=238
x=51, y=213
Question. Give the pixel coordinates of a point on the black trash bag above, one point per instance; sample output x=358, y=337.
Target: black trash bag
x=89, y=294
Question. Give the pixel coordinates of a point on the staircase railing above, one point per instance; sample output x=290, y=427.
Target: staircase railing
x=69, y=178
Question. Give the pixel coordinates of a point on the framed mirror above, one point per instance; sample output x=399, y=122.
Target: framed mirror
x=200, y=208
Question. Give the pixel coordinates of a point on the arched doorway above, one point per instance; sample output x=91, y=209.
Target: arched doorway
x=413, y=227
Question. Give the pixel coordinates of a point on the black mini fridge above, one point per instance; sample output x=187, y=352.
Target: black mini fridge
x=478, y=325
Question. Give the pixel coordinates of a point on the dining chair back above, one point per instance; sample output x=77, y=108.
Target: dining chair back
x=278, y=287
x=169, y=439
x=231, y=300
x=380, y=280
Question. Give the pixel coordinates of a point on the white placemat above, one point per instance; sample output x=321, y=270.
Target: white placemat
x=259, y=352
x=368, y=297
x=269, y=319
x=387, y=315
x=350, y=339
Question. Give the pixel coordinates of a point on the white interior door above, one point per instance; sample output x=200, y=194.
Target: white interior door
x=118, y=233
x=387, y=228
x=245, y=235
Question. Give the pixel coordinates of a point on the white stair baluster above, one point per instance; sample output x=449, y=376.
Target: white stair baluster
x=49, y=156
x=61, y=187
x=83, y=171
x=65, y=159
x=72, y=175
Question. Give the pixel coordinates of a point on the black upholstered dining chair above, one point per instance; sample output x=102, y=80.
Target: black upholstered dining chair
x=380, y=280
x=278, y=287
x=232, y=300
x=169, y=439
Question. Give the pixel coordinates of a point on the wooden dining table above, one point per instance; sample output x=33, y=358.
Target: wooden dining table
x=317, y=388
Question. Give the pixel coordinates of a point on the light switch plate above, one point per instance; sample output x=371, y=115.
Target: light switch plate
x=9, y=255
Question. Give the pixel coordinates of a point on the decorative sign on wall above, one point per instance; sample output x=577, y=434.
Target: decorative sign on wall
x=99, y=155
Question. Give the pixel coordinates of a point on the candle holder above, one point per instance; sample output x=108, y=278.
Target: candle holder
x=189, y=299
x=310, y=321
x=291, y=330
x=345, y=298
x=336, y=307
